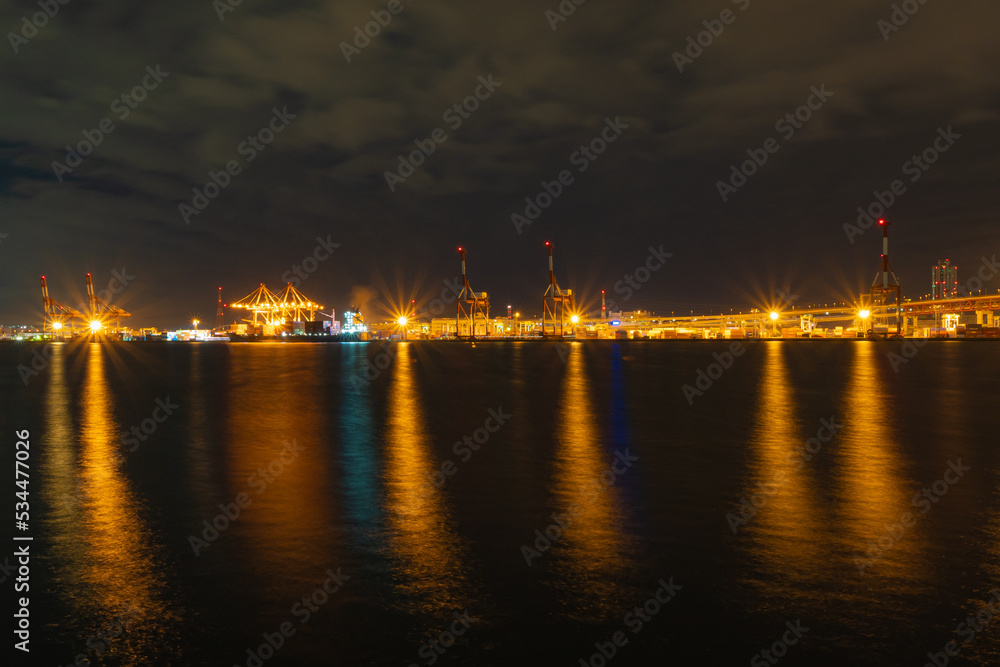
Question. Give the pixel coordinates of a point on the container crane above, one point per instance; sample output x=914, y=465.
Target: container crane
x=100, y=310
x=555, y=301
x=471, y=305
x=56, y=314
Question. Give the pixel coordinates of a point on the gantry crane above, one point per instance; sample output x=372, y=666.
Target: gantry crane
x=886, y=292
x=293, y=304
x=262, y=302
x=101, y=310
x=556, y=301
x=288, y=305
x=471, y=305
x=57, y=314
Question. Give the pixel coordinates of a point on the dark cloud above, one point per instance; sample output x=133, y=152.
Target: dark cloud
x=323, y=175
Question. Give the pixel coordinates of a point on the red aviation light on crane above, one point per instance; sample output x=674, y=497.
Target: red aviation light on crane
x=881, y=221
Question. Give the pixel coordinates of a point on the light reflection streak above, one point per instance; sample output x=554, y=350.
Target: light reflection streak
x=786, y=531
x=201, y=473
x=121, y=570
x=360, y=469
x=592, y=551
x=871, y=494
x=430, y=555
x=290, y=509
x=61, y=484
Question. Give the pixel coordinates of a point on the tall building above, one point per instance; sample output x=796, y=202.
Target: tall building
x=945, y=280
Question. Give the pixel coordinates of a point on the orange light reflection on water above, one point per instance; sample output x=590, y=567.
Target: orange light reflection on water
x=871, y=491
x=121, y=571
x=430, y=556
x=276, y=455
x=787, y=529
x=592, y=550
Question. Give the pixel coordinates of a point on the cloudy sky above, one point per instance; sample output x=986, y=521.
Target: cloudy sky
x=895, y=90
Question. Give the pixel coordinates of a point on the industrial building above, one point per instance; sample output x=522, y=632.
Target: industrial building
x=944, y=280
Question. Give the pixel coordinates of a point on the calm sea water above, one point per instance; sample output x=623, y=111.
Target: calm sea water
x=334, y=451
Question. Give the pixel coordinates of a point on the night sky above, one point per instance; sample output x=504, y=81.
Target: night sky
x=219, y=82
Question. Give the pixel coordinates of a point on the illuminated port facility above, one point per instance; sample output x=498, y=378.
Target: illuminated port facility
x=880, y=313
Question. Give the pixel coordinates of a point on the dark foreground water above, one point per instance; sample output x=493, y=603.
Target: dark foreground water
x=334, y=458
